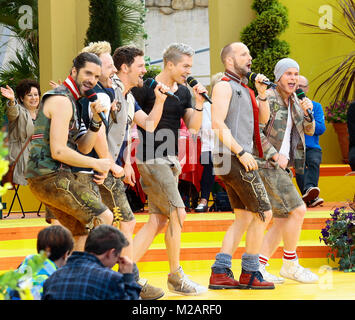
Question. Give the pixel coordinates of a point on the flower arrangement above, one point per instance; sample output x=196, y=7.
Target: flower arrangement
x=339, y=235
x=337, y=112
x=15, y=285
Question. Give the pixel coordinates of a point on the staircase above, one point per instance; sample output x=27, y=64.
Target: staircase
x=202, y=232
x=201, y=239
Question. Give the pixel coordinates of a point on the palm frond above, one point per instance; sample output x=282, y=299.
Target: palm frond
x=341, y=80
x=131, y=17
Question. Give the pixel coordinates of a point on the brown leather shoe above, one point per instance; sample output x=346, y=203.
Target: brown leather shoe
x=223, y=281
x=254, y=280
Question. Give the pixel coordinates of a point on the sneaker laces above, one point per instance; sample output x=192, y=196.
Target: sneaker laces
x=229, y=273
x=187, y=283
x=259, y=276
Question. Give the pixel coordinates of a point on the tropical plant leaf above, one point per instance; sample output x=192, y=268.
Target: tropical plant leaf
x=341, y=80
x=131, y=17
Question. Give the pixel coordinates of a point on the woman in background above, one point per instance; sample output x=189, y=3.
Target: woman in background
x=21, y=115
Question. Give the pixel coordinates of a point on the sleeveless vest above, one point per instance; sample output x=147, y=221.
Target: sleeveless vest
x=239, y=120
x=40, y=161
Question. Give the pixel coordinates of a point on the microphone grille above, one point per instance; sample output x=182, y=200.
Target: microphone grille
x=91, y=95
x=300, y=94
x=251, y=76
x=191, y=81
x=150, y=83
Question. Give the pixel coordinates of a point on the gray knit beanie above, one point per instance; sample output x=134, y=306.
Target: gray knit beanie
x=283, y=65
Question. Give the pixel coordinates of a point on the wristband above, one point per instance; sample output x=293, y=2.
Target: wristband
x=261, y=99
x=95, y=123
x=94, y=129
x=240, y=153
x=94, y=126
x=12, y=105
x=200, y=110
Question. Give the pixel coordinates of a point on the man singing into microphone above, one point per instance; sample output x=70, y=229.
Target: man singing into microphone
x=159, y=166
x=54, y=153
x=283, y=144
x=119, y=74
x=235, y=120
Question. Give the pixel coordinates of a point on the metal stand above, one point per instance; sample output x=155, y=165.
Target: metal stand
x=16, y=195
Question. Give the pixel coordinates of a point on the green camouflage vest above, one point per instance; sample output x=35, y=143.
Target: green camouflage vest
x=273, y=132
x=40, y=161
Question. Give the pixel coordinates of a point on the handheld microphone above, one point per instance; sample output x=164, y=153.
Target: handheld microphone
x=251, y=76
x=92, y=97
x=301, y=95
x=152, y=83
x=191, y=81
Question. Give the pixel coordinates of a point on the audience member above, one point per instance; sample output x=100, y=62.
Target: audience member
x=21, y=114
x=57, y=242
x=88, y=275
x=207, y=144
x=308, y=182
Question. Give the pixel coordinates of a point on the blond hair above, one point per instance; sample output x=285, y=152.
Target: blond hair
x=216, y=78
x=98, y=48
x=175, y=51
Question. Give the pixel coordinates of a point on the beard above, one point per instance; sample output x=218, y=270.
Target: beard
x=238, y=69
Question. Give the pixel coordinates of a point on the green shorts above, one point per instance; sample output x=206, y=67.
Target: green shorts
x=159, y=181
x=113, y=195
x=73, y=198
x=282, y=193
x=245, y=189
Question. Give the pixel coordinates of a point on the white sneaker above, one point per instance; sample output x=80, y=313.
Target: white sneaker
x=291, y=269
x=178, y=282
x=268, y=276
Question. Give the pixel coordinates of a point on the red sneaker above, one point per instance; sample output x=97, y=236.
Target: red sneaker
x=254, y=280
x=223, y=280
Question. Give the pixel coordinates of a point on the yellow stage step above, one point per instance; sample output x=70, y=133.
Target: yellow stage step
x=201, y=238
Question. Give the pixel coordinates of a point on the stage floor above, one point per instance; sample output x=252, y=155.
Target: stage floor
x=333, y=284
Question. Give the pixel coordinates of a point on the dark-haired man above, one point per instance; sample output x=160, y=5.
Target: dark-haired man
x=53, y=153
x=130, y=70
x=88, y=275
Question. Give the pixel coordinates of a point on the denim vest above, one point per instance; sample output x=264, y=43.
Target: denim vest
x=273, y=132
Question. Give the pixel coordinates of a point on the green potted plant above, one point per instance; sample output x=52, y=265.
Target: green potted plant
x=261, y=36
x=336, y=114
x=339, y=236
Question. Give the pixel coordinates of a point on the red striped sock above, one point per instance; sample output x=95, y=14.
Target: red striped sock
x=263, y=260
x=290, y=255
